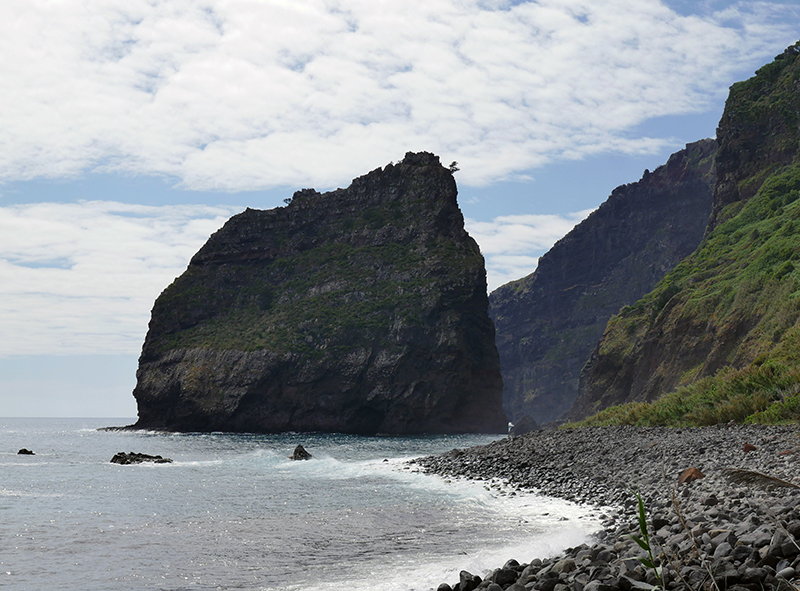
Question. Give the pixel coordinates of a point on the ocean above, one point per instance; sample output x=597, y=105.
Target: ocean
x=233, y=512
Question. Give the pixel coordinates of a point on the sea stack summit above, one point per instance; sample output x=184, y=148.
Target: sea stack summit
x=362, y=310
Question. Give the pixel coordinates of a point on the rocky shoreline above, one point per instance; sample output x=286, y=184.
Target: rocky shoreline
x=735, y=529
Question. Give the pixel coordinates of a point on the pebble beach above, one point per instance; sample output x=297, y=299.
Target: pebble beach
x=734, y=525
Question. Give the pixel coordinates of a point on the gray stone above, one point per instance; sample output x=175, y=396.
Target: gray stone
x=789, y=548
x=753, y=575
x=742, y=553
x=724, y=573
x=504, y=576
x=546, y=584
x=467, y=581
x=566, y=565
x=526, y=424
x=724, y=549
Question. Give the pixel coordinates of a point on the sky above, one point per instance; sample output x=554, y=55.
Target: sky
x=130, y=131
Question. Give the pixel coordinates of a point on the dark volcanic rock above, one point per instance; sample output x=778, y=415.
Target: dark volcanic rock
x=362, y=310
x=525, y=425
x=757, y=133
x=137, y=458
x=300, y=453
x=549, y=322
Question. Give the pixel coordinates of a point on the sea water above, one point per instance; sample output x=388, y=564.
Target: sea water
x=234, y=512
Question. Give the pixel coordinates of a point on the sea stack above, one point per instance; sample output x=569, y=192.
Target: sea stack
x=362, y=310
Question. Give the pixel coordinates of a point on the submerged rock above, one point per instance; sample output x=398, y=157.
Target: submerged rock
x=362, y=310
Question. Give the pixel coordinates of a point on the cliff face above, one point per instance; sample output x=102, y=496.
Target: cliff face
x=735, y=302
x=549, y=322
x=362, y=310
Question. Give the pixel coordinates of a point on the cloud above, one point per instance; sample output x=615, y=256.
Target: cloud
x=81, y=278
x=232, y=95
x=512, y=244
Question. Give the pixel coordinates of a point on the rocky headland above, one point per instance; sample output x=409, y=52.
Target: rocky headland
x=362, y=310
x=737, y=528
x=549, y=322
x=729, y=311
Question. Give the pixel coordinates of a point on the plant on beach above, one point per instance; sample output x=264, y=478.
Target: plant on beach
x=644, y=542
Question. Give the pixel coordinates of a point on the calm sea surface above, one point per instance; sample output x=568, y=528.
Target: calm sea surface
x=233, y=512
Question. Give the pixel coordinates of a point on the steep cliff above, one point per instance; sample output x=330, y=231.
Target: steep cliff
x=362, y=310
x=549, y=322
x=734, y=303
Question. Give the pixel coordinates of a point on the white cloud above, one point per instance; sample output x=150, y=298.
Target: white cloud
x=81, y=278
x=232, y=94
x=512, y=244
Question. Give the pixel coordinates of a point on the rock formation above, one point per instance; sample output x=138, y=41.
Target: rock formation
x=137, y=458
x=362, y=310
x=731, y=305
x=300, y=453
x=549, y=322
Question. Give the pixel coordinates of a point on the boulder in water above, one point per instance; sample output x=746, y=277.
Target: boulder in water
x=300, y=453
x=137, y=458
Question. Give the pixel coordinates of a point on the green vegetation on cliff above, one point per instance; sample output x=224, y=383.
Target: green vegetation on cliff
x=766, y=394
x=357, y=293
x=363, y=279
x=718, y=339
